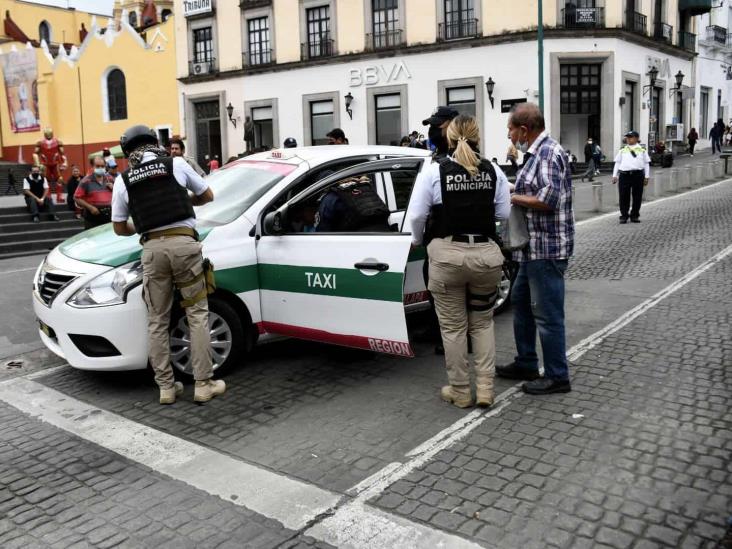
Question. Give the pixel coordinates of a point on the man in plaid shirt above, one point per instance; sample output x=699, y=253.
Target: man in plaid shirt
x=544, y=188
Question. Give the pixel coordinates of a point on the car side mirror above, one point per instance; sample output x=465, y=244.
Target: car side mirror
x=274, y=223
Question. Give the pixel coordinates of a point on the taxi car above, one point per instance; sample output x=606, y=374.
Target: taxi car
x=275, y=276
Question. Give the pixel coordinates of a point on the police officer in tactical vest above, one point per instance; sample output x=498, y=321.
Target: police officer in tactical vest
x=154, y=192
x=352, y=205
x=631, y=172
x=464, y=194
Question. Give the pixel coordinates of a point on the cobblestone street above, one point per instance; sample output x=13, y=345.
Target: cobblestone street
x=317, y=446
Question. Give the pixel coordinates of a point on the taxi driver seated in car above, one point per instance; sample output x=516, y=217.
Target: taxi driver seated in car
x=352, y=205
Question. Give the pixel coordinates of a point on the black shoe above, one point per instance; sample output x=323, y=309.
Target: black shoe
x=546, y=386
x=513, y=371
x=623, y=220
x=439, y=349
x=634, y=220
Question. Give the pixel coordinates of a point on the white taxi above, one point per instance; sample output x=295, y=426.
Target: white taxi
x=275, y=276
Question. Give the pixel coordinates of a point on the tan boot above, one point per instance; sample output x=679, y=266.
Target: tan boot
x=459, y=396
x=484, y=396
x=207, y=389
x=168, y=396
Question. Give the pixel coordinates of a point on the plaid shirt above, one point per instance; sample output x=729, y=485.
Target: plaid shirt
x=546, y=175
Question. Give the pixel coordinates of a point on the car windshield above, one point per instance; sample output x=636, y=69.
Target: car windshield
x=237, y=187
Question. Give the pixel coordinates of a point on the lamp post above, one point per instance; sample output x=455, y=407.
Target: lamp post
x=652, y=75
x=230, y=112
x=349, y=99
x=489, y=86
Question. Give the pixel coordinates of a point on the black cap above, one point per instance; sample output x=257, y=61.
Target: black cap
x=336, y=133
x=440, y=116
x=290, y=143
x=136, y=136
x=632, y=133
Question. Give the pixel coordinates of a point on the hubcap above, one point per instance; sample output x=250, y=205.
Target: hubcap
x=504, y=288
x=180, y=343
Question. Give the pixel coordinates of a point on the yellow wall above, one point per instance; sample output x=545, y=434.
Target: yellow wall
x=65, y=24
x=229, y=41
x=151, y=86
x=421, y=21
x=498, y=16
x=350, y=26
x=287, y=33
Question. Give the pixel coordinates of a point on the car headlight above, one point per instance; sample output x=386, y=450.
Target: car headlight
x=110, y=288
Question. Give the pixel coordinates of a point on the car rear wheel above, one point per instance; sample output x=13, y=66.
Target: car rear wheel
x=504, y=289
x=227, y=338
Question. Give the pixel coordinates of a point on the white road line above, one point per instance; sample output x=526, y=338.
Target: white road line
x=291, y=502
x=463, y=427
x=653, y=202
x=18, y=271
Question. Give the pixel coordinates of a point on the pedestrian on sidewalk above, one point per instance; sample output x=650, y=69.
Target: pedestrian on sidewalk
x=94, y=195
x=463, y=194
x=11, y=184
x=715, y=136
x=589, y=160
x=71, y=185
x=631, y=172
x=544, y=189
x=693, y=137
x=154, y=192
x=512, y=158
x=38, y=195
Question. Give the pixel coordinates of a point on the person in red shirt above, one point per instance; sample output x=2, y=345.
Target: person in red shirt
x=94, y=195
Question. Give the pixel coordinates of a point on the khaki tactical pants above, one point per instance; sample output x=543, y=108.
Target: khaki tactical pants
x=456, y=270
x=165, y=261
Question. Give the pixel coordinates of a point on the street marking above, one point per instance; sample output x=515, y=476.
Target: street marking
x=463, y=427
x=656, y=201
x=293, y=503
x=46, y=372
x=18, y=271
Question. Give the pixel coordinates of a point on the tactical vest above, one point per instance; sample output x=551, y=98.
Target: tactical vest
x=467, y=201
x=156, y=198
x=364, y=210
x=36, y=186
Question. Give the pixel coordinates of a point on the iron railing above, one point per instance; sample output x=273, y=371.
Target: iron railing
x=582, y=18
x=325, y=47
x=687, y=41
x=717, y=34
x=460, y=29
x=384, y=40
x=202, y=68
x=635, y=22
x=254, y=58
x=663, y=32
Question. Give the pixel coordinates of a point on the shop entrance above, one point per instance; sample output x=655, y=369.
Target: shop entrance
x=580, y=106
x=208, y=131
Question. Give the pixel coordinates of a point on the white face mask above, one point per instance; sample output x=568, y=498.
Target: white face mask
x=523, y=146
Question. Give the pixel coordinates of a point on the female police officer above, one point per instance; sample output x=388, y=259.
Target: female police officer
x=463, y=195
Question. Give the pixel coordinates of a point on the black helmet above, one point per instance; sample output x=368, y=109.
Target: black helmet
x=290, y=143
x=136, y=136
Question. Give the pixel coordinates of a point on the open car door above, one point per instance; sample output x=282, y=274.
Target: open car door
x=335, y=287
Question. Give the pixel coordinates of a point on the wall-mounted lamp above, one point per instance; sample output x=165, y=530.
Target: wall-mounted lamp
x=679, y=80
x=652, y=75
x=349, y=100
x=489, y=85
x=230, y=112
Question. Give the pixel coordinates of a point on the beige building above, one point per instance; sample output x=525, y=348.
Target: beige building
x=377, y=68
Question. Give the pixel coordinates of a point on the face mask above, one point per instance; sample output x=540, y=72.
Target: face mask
x=437, y=139
x=36, y=175
x=523, y=146
x=99, y=171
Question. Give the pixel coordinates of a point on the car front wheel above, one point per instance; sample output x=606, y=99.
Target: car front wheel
x=504, y=288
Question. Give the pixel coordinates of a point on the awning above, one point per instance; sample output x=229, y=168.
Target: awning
x=695, y=7
x=116, y=152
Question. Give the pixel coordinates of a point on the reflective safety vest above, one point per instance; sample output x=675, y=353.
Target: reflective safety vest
x=467, y=201
x=156, y=198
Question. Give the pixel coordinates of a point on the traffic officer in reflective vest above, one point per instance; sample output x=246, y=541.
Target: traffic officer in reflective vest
x=154, y=192
x=631, y=172
x=463, y=194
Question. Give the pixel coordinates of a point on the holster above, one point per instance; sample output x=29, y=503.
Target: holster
x=208, y=275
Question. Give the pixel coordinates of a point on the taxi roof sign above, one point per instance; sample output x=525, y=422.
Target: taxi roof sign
x=279, y=154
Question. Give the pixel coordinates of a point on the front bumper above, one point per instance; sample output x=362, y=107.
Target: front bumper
x=124, y=326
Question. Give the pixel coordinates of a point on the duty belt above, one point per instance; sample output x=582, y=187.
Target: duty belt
x=469, y=238
x=175, y=231
x=630, y=172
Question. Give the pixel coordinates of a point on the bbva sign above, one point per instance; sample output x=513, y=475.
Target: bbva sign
x=378, y=74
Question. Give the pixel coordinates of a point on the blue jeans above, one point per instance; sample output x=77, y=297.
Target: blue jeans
x=538, y=301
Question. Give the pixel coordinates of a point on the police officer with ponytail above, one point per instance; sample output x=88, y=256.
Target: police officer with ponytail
x=154, y=191
x=463, y=194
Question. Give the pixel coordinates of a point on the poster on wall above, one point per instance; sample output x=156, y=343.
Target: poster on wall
x=21, y=89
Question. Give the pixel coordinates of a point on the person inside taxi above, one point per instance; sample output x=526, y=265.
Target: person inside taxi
x=352, y=205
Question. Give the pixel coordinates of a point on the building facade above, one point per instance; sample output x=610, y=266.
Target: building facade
x=101, y=77
x=293, y=65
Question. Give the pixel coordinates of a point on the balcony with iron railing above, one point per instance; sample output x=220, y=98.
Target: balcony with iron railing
x=583, y=18
x=325, y=47
x=635, y=22
x=716, y=35
x=458, y=30
x=256, y=58
x=247, y=4
x=385, y=40
x=687, y=41
x=203, y=67
x=663, y=32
